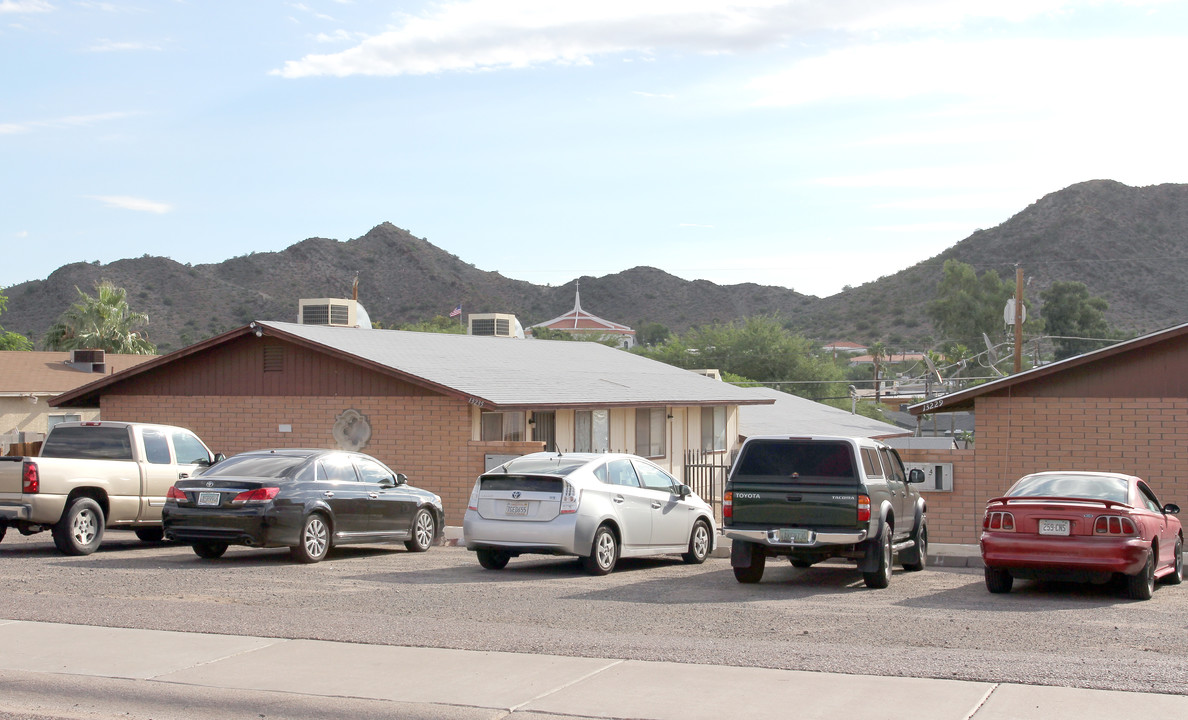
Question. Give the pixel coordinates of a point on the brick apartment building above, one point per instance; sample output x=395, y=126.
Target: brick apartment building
x=440, y=408
x=1123, y=408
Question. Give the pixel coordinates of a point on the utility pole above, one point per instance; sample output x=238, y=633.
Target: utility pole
x=1018, y=319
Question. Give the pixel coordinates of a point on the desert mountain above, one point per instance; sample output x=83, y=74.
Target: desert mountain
x=1127, y=244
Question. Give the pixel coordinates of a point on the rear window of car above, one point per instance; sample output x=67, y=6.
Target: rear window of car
x=1090, y=487
x=553, y=465
x=257, y=466
x=88, y=443
x=519, y=482
x=780, y=460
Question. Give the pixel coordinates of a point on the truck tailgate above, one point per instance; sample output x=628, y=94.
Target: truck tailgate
x=10, y=474
x=788, y=505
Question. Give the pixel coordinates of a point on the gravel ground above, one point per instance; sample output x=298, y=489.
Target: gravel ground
x=936, y=623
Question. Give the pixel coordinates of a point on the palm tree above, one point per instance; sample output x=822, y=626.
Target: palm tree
x=104, y=322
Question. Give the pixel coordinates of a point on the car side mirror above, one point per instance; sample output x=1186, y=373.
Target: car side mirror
x=207, y=462
x=1171, y=509
x=683, y=490
x=401, y=479
x=915, y=475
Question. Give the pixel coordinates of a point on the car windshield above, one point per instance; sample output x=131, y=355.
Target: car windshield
x=559, y=465
x=1090, y=487
x=260, y=466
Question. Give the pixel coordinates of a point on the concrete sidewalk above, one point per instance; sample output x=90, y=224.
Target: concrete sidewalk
x=85, y=667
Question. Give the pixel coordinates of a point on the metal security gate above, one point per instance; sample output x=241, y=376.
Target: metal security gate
x=706, y=473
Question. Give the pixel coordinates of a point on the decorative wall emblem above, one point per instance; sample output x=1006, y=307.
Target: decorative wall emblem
x=352, y=430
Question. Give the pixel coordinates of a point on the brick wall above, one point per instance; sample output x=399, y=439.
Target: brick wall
x=1016, y=436
x=427, y=438
x=1138, y=436
x=953, y=517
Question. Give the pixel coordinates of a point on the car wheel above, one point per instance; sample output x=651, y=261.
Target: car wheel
x=1141, y=586
x=3, y=529
x=881, y=577
x=920, y=552
x=801, y=564
x=754, y=572
x=604, y=552
x=424, y=529
x=998, y=580
x=493, y=559
x=210, y=550
x=315, y=540
x=699, y=544
x=1175, y=578
x=151, y=534
x=80, y=529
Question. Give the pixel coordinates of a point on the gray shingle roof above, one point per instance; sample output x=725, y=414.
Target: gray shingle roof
x=507, y=372
x=793, y=415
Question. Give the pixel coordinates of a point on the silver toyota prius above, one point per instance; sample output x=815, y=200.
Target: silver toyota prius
x=598, y=506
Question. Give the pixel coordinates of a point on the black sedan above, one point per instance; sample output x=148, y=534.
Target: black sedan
x=306, y=500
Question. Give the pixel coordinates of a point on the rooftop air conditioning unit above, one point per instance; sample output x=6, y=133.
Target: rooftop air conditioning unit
x=88, y=360
x=494, y=325
x=332, y=311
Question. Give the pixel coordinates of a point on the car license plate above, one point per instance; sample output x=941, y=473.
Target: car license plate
x=516, y=508
x=1053, y=527
x=795, y=535
x=209, y=498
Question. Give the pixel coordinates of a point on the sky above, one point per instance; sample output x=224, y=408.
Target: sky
x=808, y=144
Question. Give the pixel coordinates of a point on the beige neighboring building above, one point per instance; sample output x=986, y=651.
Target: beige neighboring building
x=29, y=379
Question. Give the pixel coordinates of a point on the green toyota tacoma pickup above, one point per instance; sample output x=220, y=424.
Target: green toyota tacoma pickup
x=813, y=498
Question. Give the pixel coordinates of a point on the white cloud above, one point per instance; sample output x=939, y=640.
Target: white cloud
x=1027, y=74
x=126, y=202
x=338, y=36
x=25, y=6
x=471, y=35
x=70, y=121
x=105, y=45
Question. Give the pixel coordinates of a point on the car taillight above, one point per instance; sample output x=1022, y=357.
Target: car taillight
x=728, y=505
x=570, y=497
x=998, y=520
x=175, y=494
x=472, y=504
x=863, y=508
x=259, y=495
x=30, y=478
x=1114, y=525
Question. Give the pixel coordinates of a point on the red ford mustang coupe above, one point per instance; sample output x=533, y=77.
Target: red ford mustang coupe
x=1082, y=527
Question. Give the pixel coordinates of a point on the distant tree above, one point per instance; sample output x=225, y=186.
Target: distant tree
x=758, y=348
x=651, y=333
x=436, y=324
x=103, y=322
x=11, y=340
x=968, y=305
x=1070, y=312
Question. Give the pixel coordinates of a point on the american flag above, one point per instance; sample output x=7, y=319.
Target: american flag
x=456, y=311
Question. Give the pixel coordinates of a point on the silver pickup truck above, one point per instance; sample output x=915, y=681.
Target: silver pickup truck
x=93, y=475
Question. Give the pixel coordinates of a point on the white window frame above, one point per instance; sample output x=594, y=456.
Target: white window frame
x=591, y=430
x=713, y=428
x=651, y=432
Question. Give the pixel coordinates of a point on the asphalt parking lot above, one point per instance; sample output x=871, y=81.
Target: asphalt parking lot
x=937, y=623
